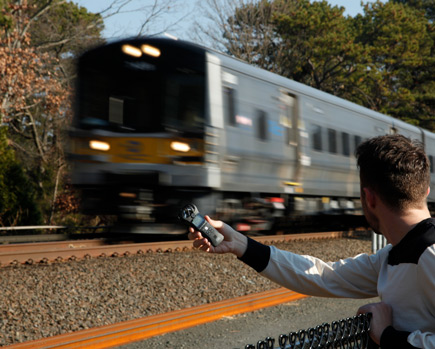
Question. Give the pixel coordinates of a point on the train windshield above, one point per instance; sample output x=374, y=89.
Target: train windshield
x=130, y=93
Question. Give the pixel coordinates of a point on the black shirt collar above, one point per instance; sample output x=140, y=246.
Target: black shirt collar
x=415, y=242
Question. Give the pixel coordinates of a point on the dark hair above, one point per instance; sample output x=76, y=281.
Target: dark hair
x=396, y=168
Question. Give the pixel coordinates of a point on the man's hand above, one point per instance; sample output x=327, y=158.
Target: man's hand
x=382, y=317
x=234, y=242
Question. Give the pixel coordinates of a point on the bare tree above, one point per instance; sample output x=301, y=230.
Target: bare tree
x=34, y=102
x=156, y=16
x=241, y=28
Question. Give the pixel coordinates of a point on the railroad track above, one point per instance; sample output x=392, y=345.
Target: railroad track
x=46, y=252
x=143, y=328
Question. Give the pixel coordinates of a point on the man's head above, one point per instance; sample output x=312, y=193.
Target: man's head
x=397, y=169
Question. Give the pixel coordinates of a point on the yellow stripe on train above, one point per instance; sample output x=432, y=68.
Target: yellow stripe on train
x=156, y=150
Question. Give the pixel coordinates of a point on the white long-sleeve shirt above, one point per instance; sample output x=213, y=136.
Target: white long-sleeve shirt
x=403, y=276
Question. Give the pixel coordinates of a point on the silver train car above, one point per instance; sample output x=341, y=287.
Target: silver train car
x=161, y=122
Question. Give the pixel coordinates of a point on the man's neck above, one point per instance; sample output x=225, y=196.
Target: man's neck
x=396, y=226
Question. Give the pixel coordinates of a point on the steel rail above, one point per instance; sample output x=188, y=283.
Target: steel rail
x=45, y=252
x=48, y=246
x=79, y=250
x=135, y=330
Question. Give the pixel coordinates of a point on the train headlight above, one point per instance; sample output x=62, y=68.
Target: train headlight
x=131, y=50
x=180, y=146
x=150, y=50
x=99, y=145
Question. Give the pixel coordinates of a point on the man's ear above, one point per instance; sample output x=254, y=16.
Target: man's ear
x=428, y=191
x=370, y=196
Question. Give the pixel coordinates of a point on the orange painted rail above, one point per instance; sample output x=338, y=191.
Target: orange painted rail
x=140, y=329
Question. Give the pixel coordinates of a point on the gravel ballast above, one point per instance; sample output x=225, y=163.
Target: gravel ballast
x=39, y=301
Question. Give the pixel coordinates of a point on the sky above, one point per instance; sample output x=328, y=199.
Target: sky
x=129, y=23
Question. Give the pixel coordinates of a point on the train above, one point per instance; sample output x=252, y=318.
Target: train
x=160, y=122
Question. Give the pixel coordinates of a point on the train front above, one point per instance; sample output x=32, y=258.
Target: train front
x=139, y=129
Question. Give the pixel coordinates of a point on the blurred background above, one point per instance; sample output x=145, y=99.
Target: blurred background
x=377, y=54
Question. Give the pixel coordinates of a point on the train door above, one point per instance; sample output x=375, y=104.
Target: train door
x=214, y=137
x=290, y=121
x=214, y=83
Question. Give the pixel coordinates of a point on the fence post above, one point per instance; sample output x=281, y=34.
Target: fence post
x=378, y=242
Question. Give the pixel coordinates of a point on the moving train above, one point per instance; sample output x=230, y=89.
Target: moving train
x=162, y=122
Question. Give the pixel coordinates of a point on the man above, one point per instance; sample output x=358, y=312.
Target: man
x=395, y=178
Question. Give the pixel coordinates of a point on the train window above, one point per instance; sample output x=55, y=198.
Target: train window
x=184, y=102
x=332, y=141
x=230, y=105
x=431, y=164
x=262, y=124
x=317, y=138
x=116, y=110
x=345, y=140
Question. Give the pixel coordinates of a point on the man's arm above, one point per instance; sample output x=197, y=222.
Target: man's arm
x=354, y=277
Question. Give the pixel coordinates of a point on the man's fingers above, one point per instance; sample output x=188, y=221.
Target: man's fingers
x=215, y=224
x=194, y=234
x=364, y=309
x=202, y=244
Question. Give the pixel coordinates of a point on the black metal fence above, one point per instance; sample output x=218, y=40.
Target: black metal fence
x=350, y=333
